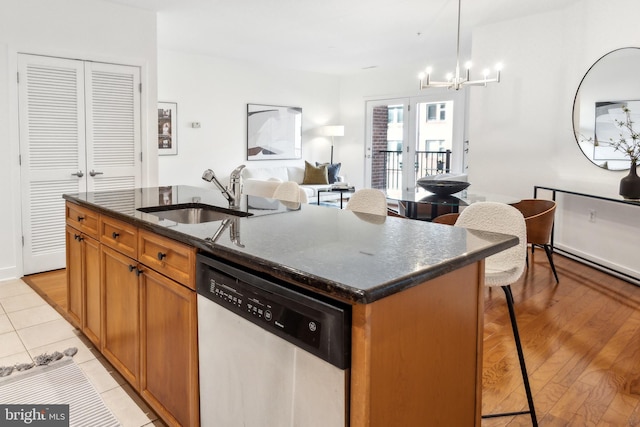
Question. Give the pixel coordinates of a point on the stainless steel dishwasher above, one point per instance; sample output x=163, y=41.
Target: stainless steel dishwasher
x=269, y=355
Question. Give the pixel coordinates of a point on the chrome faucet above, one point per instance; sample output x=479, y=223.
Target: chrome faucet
x=231, y=194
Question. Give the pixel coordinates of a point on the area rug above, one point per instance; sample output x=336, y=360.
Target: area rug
x=60, y=382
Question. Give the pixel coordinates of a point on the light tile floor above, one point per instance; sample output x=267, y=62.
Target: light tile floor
x=30, y=327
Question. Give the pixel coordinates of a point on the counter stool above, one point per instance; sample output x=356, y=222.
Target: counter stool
x=503, y=268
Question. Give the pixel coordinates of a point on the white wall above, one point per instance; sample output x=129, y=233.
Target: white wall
x=82, y=29
x=521, y=132
x=215, y=92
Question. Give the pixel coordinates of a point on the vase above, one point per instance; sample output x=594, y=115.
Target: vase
x=630, y=184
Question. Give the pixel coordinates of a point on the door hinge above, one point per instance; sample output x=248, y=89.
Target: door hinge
x=23, y=241
x=140, y=87
x=19, y=159
x=408, y=107
x=18, y=77
x=141, y=156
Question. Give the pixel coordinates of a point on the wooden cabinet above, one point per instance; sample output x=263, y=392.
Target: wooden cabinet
x=132, y=293
x=74, y=276
x=83, y=272
x=120, y=313
x=119, y=235
x=416, y=356
x=169, y=352
x=82, y=219
x=92, y=298
x=168, y=257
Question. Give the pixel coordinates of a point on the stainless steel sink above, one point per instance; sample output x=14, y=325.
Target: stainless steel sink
x=193, y=213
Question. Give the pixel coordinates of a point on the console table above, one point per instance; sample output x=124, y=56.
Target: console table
x=613, y=199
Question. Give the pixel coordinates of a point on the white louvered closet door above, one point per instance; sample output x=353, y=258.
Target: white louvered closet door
x=74, y=116
x=113, y=126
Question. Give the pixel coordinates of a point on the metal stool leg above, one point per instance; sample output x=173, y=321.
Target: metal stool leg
x=523, y=368
x=547, y=249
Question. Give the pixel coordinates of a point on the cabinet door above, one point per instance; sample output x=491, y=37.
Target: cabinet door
x=120, y=313
x=92, y=290
x=169, y=376
x=74, y=276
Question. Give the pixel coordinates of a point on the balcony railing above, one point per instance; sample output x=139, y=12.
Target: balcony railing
x=425, y=163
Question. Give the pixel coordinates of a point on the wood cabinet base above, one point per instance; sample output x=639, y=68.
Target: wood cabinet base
x=417, y=355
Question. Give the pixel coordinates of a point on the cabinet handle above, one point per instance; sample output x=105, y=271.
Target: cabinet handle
x=80, y=218
x=115, y=235
x=77, y=237
x=133, y=267
x=161, y=256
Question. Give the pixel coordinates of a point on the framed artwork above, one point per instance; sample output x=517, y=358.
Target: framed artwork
x=274, y=132
x=167, y=128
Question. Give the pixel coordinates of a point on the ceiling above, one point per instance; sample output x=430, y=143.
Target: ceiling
x=329, y=36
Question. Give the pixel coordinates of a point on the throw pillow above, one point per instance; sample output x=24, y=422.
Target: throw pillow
x=315, y=175
x=333, y=169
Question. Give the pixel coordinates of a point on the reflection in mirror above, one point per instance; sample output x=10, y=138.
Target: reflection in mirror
x=611, y=83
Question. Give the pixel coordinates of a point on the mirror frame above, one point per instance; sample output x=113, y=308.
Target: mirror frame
x=602, y=85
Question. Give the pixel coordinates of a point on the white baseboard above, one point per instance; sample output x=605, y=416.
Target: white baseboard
x=9, y=273
x=620, y=271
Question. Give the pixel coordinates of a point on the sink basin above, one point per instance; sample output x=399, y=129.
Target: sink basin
x=192, y=213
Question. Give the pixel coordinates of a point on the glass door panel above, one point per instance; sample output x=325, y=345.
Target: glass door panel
x=409, y=138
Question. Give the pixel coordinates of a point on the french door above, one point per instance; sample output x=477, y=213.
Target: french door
x=408, y=138
x=79, y=131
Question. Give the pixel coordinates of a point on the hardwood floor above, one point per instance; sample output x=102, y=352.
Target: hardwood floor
x=50, y=285
x=581, y=341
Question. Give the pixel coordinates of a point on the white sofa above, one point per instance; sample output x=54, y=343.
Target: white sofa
x=256, y=180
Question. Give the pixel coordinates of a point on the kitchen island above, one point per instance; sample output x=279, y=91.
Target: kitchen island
x=414, y=288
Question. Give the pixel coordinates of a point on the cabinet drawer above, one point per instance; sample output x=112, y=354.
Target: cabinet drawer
x=82, y=219
x=119, y=235
x=173, y=259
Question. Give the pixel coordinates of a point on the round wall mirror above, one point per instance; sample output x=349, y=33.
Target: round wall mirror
x=612, y=82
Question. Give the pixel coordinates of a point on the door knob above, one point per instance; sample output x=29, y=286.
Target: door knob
x=94, y=173
x=79, y=174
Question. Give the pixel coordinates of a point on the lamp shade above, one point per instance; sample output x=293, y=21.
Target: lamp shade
x=337, y=130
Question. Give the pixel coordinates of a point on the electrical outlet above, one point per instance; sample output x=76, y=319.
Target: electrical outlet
x=195, y=125
x=592, y=215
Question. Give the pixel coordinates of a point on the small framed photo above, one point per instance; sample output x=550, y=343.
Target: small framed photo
x=167, y=128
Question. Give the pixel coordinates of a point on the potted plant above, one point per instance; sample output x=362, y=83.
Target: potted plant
x=629, y=144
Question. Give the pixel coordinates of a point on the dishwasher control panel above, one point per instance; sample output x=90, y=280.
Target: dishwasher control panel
x=316, y=326
x=249, y=302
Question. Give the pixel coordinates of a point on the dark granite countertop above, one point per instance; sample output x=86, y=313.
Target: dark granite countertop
x=352, y=257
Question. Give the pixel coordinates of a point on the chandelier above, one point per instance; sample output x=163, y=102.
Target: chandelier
x=456, y=80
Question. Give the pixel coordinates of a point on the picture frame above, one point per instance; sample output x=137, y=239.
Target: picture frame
x=167, y=128
x=274, y=132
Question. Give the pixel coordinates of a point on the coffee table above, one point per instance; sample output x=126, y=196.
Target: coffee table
x=341, y=190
